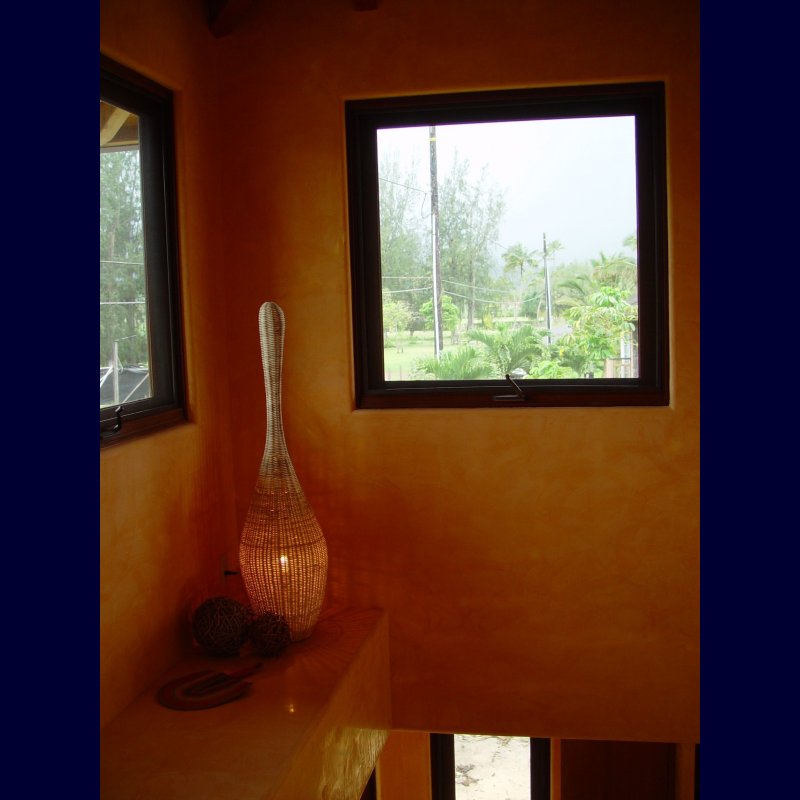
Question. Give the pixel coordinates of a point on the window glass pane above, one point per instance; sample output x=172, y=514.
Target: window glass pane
x=124, y=350
x=492, y=767
x=526, y=233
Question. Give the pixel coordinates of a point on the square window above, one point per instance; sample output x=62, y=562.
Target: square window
x=509, y=248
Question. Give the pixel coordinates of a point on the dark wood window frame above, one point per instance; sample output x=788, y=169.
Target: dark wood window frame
x=363, y=118
x=443, y=767
x=153, y=105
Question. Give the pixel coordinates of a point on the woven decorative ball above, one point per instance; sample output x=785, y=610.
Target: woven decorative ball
x=220, y=626
x=269, y=634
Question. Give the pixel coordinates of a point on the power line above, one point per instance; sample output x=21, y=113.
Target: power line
x=403, y=291
x=508, y=295
x=404, y=185
x=478, y=299
x=479, y=288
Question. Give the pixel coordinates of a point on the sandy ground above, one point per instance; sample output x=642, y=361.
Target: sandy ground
x=492, y=768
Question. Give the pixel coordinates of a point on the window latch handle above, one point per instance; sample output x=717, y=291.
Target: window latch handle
x=106, y=432
x=520, y=395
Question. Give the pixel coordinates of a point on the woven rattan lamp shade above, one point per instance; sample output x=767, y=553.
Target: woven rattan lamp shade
x=283, y=555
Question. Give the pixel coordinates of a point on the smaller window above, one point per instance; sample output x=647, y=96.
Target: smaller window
x=510, y=248
x=141, y=372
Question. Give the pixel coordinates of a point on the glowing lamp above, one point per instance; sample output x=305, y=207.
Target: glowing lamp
x=282, y=552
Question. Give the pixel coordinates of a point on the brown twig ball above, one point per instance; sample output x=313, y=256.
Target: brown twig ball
x=269, y=634
x=220, y=626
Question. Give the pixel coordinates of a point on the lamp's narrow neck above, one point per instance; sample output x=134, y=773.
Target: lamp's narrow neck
x=271, y=326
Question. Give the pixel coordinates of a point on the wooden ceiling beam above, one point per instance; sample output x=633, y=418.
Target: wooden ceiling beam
x=111, y=121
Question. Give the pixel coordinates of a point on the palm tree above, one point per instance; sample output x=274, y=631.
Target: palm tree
x=617, y=270
x=631, y=241
x=552, y=248
x=575, y=291
x=463, y=364
x=517, y=262
x=505, y=349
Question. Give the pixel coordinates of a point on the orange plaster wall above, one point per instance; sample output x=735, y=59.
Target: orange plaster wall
x=165, y=500
x=539, y=567
x=404, y=768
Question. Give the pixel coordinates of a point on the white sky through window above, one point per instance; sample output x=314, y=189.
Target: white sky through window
x=572, y=179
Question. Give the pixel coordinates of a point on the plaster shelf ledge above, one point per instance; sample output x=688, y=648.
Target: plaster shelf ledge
x=312, y=725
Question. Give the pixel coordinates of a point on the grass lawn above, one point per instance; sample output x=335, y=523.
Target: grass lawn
x=399, y=358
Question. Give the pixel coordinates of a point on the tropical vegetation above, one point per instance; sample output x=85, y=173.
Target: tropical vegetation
x=521, y=313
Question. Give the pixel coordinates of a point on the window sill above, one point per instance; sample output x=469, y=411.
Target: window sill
x=595, y=394
x=137, y=427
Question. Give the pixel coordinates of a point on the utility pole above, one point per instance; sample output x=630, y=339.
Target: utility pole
x=548, y=301
x=437, y=277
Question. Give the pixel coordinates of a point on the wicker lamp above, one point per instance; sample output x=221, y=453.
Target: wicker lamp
x=282, y=553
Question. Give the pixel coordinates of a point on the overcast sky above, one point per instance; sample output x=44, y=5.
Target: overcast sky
x=573, y=179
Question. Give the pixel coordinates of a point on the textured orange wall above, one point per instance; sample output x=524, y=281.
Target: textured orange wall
x=165, y=500
x=540, y=567
x=404, y=768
